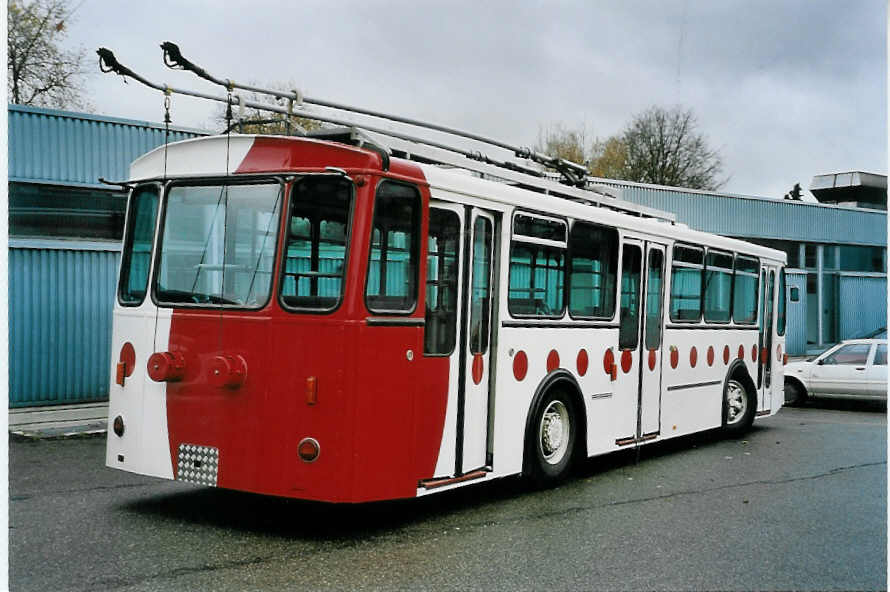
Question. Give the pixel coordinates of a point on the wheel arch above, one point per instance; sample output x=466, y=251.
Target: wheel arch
x=798, y=382
x=738, y=371
x=555, y=380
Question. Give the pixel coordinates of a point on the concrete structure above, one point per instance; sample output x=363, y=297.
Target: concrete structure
x=66, y=226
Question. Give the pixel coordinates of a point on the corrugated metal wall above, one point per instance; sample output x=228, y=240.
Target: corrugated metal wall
x=796, y=326
x=862, y=301
x=60, y=303
x=59, y=147
x=763, y=218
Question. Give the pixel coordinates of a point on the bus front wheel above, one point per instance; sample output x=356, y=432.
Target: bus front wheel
x=739, y=407
x=551, y=443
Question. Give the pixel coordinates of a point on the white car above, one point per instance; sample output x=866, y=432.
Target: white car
x=856, y=368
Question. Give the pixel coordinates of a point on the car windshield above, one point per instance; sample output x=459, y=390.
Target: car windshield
x=218, y=244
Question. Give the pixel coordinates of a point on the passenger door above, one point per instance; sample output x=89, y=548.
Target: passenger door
x=638, y=375
x=473, y=399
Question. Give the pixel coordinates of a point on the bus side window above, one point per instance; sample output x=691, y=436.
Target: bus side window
x=137, y=250
x=718, y=287
x=391, y=285
x=593, y=270
x=686, y=283
x=537, y=267
x=744, y=291
x=780, y=311
x=629, y=317
x=441, y=283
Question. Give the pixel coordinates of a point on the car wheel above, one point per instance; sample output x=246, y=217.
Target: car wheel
x=551, y=441
x=739, y=407
x=794, y=393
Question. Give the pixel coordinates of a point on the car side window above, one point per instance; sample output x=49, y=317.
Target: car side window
x=881, y=355
x=854, y=353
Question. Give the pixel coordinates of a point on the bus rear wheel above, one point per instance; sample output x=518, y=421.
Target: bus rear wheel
x=739, y=407
x=551, y=441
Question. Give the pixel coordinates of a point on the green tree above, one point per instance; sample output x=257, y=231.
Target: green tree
x=39, y=70
x=663, y=146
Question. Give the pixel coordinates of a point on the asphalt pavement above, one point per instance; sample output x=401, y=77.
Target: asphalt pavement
x=798, y=503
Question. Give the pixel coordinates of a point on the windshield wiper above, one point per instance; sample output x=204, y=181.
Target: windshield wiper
x=186, y=297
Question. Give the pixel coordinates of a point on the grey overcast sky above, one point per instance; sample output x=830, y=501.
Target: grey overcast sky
x=784, y=89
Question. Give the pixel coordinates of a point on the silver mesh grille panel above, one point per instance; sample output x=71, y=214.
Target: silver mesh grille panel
x=197, y=464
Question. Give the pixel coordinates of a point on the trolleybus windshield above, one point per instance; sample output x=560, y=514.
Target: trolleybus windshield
x=218, y=244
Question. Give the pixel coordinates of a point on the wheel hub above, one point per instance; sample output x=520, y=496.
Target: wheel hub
x=554, y=432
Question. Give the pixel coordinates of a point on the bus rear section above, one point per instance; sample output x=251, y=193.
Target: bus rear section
x=268, y=331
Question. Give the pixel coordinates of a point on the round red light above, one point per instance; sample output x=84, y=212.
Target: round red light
x=741, y=352
x=552, y=360
x=710, y=355
x=128, y=357
x=754, y=353
x=693, y=357
x=675, y=357
x=582, y=362
x=166, y=366
x=520, y=365
x=652, y=359
x=227, y=371
x=308, y=449
x=726, y=354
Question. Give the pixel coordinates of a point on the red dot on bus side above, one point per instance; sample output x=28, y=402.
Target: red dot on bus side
x=763, y=354
x=552, y=360
x=582, y=362
x=627, y=360
x=741, y=352
x=675, y=357
x=608, y=361
x=652, y=359
x=754, y=353
x=710, y=355
x=726, y=354
x=520, y=365
x=128, y=357
x=478, y=368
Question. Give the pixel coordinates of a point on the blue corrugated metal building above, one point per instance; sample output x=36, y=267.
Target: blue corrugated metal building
x=65, y=232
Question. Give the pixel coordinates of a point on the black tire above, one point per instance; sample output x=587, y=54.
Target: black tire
x=739, y=407
x=794, y=393
x=551, y=438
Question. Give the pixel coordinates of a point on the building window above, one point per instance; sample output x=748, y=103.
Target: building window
x=810, y=256
x=855, y=258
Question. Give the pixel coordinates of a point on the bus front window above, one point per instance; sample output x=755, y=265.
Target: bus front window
x=218, y=244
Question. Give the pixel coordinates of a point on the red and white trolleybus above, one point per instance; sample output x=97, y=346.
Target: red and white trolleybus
x=316, y=318
x=305, y=318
